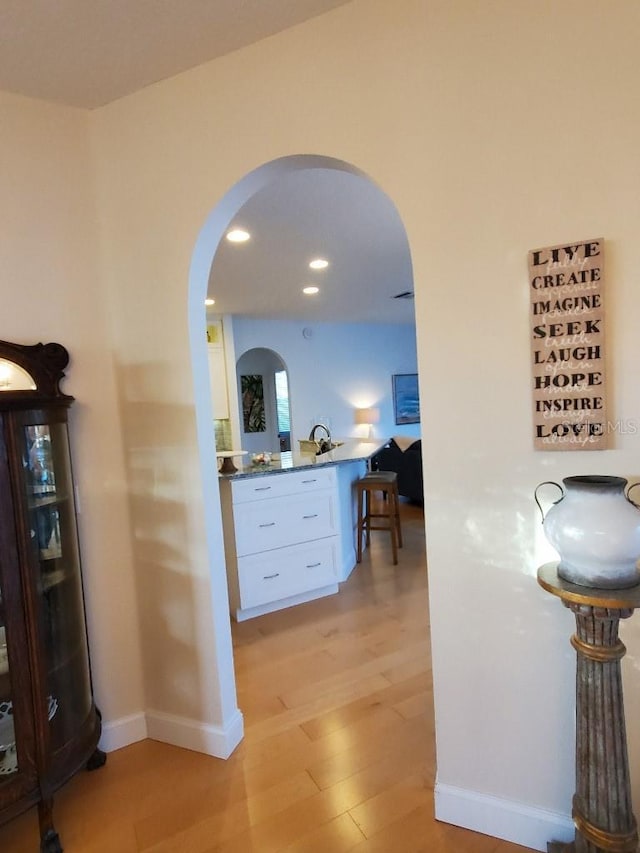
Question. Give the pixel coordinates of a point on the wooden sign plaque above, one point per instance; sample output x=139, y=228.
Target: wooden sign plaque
x=566, y=285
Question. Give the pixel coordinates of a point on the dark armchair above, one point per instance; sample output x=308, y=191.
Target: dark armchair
x=406, y=463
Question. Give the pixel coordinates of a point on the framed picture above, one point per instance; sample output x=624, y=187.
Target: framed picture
x=406, y=399
x=253, y=414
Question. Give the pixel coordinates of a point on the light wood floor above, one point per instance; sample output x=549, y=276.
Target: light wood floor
x=338, y=753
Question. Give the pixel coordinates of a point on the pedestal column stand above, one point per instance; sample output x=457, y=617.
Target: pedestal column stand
x=602, y=811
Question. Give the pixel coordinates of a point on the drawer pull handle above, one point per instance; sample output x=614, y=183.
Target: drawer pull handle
x=268, y=524
x=314, y=515
x=262, y=488
x=310, y=481
x=270, y=577
x=313, y=565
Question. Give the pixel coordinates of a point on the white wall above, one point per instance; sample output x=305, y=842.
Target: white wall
x=51, y=291
x=539, y=147
x=341, y=366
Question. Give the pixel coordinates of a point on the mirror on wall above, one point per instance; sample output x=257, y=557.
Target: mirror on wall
x=263, y=401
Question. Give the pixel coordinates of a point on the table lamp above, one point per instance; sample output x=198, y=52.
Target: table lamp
x=369, y=417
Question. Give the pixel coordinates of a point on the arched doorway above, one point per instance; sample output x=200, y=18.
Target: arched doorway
x=263, y=399
x=203, y=258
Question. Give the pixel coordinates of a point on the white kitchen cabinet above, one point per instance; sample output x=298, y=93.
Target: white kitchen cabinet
x=282, y=539
x=218, y=381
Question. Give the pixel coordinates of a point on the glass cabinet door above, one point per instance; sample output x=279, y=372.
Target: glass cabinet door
x=17, y=758
x=8, y=752
x=46, y=471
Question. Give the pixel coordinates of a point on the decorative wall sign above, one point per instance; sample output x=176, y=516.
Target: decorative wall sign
x=253, y=415
x=566, y=285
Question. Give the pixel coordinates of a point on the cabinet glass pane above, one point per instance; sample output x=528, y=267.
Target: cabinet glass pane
x=47, y=474
x=8, y=757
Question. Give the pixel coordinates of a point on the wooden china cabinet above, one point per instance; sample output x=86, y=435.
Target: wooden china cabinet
x=49, y=724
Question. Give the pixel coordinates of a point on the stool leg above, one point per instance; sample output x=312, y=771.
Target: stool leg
x=392, y=525
x=389, y=516
x=367, y=517
x=396, y=498
x=360, y=522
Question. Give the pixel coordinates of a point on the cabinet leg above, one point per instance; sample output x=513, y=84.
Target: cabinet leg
x=560, y=847
x=50, y=843
x=49, y=840
x=96, y=759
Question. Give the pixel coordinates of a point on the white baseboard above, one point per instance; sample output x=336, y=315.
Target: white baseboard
x=302, y=597
x=122, y=732
x=192, y=734
x=505, y=819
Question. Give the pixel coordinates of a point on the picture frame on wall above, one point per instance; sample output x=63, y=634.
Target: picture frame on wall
x=253, y=414
x=406, y=398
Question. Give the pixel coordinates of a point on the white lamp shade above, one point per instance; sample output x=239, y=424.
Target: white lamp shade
x=367, y=416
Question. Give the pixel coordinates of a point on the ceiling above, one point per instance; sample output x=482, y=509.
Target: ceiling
x=314, y=213
x=87, y=53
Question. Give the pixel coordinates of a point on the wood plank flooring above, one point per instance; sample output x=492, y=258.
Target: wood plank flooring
x=339, y=746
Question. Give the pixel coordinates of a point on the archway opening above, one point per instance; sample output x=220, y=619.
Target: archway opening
x=263, y=399
x=354, y=394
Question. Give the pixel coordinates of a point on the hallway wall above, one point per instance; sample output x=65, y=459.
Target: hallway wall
x=51, y=290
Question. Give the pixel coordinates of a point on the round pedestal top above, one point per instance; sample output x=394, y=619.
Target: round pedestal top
x=616, y=599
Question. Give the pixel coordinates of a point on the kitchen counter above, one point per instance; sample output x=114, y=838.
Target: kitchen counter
x=290, y=538
x=352, y=450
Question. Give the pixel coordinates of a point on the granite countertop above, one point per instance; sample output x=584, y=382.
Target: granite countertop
x=351, y=451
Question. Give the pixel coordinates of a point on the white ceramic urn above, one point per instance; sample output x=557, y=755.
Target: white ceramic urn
x=595, y=528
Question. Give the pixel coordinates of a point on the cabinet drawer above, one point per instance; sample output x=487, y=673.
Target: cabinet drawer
x=277, y=485
x=287, y=571
x=264, y=525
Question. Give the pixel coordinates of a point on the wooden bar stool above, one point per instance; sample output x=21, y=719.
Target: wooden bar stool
x=385, y=482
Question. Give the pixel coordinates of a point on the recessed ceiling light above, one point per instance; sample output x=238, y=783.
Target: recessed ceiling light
x=319, y=264
x=310, y=290
x=209, y=301
x=238, y=235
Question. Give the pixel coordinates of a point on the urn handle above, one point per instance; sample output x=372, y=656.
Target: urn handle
x=628, y=492
x=550, y=483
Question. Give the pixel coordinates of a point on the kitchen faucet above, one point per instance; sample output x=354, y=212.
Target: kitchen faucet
x=324, y=444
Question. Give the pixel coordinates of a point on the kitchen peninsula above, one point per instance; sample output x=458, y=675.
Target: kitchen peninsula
x=289, y=527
